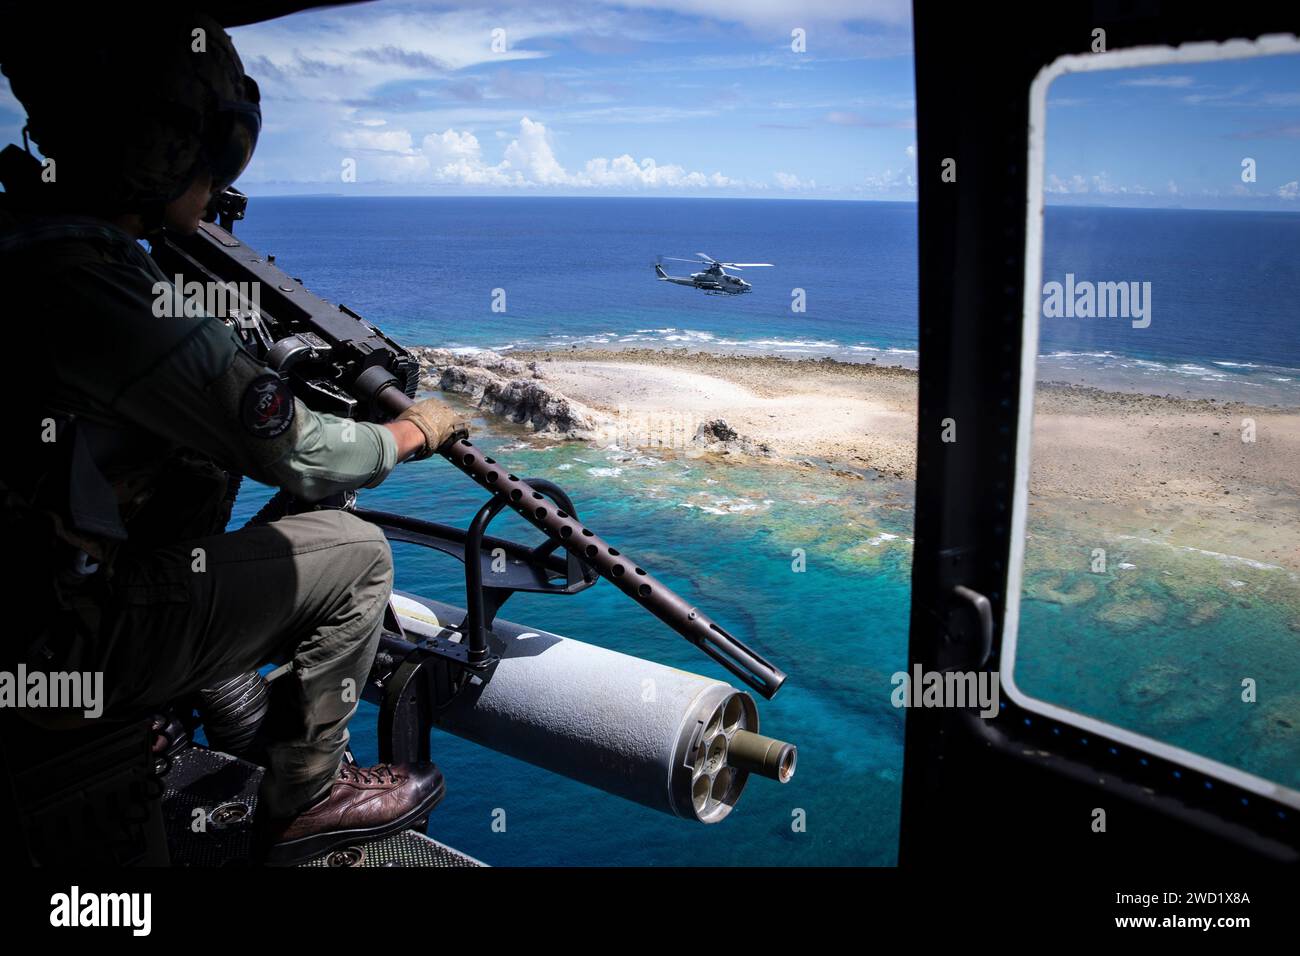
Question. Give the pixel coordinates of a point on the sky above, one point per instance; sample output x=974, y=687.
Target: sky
x=764, y=98
x=670, y=97
x=1177, y=135
x=593, y=97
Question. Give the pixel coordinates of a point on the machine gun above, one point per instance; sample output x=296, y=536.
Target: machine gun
x=570, y=707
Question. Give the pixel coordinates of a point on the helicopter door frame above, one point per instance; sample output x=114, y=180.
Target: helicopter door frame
x=1025, y=785
x=1117, y=60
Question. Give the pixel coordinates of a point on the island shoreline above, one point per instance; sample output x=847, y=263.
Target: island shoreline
x=1196, y=472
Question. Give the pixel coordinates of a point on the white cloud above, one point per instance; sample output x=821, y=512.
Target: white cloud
x=1220, y=96
x=1290, y=191
x=341, y=54
x=624, y=171
x=455, y=157
x=1075, y=184
x=383, y=154
x=532, y=156
x=1099, y=184
x=785, y=13
x=369, y=138
x=891, y=180
x=791, y=181
x=338, y=68
x=371, y=82
x=451, y=147
x=894, y=183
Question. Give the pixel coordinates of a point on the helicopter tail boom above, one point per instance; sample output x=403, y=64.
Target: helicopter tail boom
x=677, y=280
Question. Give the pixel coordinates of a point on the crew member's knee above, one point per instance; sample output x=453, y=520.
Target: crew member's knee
x=358, y=577
x=369, y=553
x=360, y=559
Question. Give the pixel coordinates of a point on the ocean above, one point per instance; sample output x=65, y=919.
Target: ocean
x=579, y=272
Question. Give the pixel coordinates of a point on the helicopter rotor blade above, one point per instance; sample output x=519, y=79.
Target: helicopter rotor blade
x=744, y=265
x=706, y=258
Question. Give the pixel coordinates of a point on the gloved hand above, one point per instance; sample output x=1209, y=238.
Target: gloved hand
x=438, y=421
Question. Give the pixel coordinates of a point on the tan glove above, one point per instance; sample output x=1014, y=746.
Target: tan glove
x=439, y=422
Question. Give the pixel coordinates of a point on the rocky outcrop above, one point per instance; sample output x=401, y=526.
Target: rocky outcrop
x=433, y=361
x=716, y=435
x=506, y=387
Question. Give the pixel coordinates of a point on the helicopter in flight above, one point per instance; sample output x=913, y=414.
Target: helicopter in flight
x=715, y=279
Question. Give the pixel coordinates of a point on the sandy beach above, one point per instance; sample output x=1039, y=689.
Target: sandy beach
x=1173, y=469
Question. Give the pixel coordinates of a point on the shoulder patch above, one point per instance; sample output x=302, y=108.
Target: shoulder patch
x=266, y=409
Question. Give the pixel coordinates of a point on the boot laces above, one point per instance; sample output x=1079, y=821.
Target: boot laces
x=379, y=773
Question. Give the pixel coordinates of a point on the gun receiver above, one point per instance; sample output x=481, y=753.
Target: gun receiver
x=338, y=362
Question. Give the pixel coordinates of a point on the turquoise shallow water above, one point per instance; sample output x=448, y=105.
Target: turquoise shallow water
x=1162, y=642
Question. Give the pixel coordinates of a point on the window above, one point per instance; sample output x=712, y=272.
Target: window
x=1155, y=583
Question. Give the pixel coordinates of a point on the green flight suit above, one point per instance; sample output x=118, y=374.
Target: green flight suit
x=175, y=606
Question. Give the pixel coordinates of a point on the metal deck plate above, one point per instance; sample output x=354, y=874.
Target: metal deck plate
x=407, y=848
x=208, y=810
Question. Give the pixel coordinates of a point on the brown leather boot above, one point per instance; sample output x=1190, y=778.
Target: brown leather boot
x=365, y=804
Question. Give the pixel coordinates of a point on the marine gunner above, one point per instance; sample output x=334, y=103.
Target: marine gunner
x=153, y=418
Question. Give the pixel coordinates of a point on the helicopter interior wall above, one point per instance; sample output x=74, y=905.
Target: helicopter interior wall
x=982, y=791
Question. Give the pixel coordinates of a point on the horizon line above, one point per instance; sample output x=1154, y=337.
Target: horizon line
x=911, y=202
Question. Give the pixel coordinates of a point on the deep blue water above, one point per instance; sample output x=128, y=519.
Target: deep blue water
x=580, y=270
x=1223, y=284
x=1223, y=291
